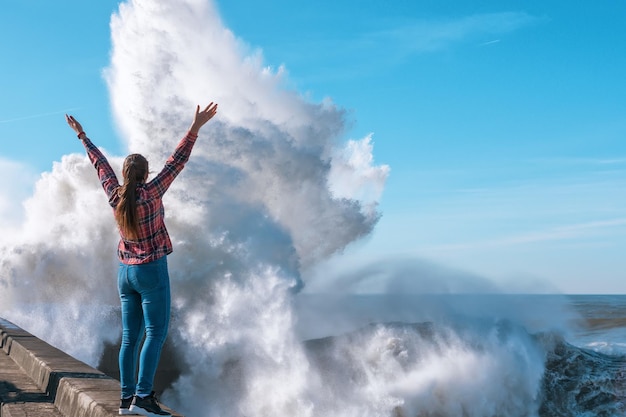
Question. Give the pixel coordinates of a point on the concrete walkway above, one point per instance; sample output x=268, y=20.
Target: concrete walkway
x=37, y=380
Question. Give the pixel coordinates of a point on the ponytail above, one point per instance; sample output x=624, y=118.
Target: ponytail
x=135, y=171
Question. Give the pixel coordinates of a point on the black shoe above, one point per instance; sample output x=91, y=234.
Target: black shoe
x=147, y=406
x=124, y=406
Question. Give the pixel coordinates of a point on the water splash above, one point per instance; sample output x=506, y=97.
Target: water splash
x=269, y=192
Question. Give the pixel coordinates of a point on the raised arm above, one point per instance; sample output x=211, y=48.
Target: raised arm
x=176, y=162
x=201, y=117
x=73, y=123
x=107, y=176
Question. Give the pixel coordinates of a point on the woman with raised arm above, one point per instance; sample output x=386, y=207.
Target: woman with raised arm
x=143, y=279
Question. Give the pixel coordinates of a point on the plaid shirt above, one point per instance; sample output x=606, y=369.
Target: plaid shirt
x=153, y=241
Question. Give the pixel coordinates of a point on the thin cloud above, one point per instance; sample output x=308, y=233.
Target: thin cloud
x=565, y=232
x=490, y=42
x=36, y=116
x=582, y=161
x=431, y=35
x=347, y=58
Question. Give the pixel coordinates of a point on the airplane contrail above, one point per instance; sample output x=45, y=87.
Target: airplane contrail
x=490, y=42
x=35, y=116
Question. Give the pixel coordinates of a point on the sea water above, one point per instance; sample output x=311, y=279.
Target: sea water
x=478, y=355
x=384, y=355
x=603, y=326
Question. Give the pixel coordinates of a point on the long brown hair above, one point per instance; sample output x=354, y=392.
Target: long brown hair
x=135, y=171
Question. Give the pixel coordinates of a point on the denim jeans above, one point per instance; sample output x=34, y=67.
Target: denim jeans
x=145, y=297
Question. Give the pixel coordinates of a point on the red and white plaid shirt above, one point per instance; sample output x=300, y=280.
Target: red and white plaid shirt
x=153, y=241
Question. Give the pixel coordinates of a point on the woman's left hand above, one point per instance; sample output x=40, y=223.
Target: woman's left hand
x=73, y=123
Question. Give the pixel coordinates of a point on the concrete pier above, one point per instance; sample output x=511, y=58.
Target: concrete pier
x=37, y=380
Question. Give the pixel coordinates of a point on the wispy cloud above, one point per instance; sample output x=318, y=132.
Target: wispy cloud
x=399, y=40
x=38, y=115
x=582, y=161
x=563, y=232
x=490, y=42
x=431, y=35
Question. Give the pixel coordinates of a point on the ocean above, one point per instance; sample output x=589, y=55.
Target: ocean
x=383, y=355
x=480, y=355
x=445, y=355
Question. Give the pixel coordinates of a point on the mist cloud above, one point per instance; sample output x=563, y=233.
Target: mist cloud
x=269, y=192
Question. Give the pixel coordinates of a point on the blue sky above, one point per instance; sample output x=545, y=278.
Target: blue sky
x=503, y=122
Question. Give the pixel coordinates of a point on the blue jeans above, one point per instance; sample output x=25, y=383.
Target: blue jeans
x=145, y=297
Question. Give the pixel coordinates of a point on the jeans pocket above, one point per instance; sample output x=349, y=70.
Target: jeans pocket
x=150, y=276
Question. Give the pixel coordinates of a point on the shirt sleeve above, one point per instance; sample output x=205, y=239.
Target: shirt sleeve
x=173, y=166
x=106, y=175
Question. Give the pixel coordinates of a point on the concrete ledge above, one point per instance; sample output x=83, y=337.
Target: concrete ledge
x=45, y=364
x=19, y=396
x=75, y=388
x=29, y=410
x=88, y=397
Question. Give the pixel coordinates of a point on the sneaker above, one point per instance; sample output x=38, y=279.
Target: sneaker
x=147, y=406
x=124, y=406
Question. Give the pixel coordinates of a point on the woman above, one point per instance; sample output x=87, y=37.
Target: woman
x=143, y=280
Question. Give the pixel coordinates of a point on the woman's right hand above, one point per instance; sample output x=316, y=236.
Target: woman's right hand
x=201, y=117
